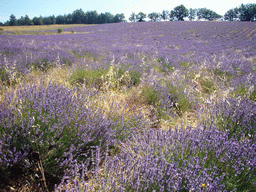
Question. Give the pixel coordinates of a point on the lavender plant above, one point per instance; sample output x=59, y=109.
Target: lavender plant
x=236, y=115
x=200, y=159
x=53, y=125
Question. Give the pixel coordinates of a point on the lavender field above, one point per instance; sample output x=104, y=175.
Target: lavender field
x=153, y=106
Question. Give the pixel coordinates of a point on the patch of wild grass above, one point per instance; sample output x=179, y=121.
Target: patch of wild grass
x=88, y=77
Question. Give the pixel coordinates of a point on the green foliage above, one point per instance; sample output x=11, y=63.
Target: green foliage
x=207, y=14
x=154, y=16
x=247, y=12
x=60, y=30
x=119, y=18
x=223, y=75
x=141, y=16
x=4, y=77
x=244, y=92
x=72, y=31
x=88, y=77
x=13, y=20
x=231, y=14
x=181, y=101
x=78, y=16
x=180, y=12
x=207, y=85
x=164, y=15
x=132, y=18
x=106, y=18
x=192, y=14
x=151, y=96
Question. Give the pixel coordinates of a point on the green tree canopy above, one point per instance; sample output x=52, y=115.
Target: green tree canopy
x=191, y=14
x=207, y=14
x=28, y=21
x=92, y=17
x=13, y=20
x=180, y=12
x=79, y=17
x=231, y=14
x=132, y=17
x=164, y=15
x=38, y=20
x=141, y=16
x=60, y=19
x=247, y=12
x=154, y=16
x=69, y=18
x=119, y=18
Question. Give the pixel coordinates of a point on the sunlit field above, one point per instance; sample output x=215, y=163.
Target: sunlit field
x=154, y=106
x=36, y=29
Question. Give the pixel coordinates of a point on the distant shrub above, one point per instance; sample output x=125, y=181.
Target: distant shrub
x=1, y=29
x=72, y=31
x=60, y=30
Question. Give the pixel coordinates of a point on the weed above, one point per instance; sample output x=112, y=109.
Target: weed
x=60, y=30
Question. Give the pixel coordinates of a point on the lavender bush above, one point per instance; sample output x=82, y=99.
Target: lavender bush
x=238, y=115
x=51, y=124
x=200, y=159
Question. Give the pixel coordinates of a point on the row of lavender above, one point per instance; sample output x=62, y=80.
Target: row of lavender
x=57, y=126
x=223, y=44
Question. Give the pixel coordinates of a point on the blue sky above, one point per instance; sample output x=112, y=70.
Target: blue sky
x=34, y=8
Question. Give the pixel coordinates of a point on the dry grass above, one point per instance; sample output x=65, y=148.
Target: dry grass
x=39, y=27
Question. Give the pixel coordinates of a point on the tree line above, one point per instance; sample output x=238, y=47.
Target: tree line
x=242, y=13
x=77, y=17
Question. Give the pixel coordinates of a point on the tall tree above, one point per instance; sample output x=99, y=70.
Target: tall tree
x=38, y=20
x=79, y=17
x=132, y=18
x=13, y=20
x=180, y=12
x=231, y=14
x=21, y=21
x=60, y=19
x=171, y=15
x=68, y=18
x=47, y=20
x=53, y=19
x=119, y=18
x=91, y=17
x=154, y=16
x=28, y=21
x=247, y=12
x=141, y=16
x=207, y=14
x=191, y=14
x=164, y=15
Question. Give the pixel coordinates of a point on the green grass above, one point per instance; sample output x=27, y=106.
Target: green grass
x=88, y=77
x=244, y=92
x=208, y=85
x=181, y=101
